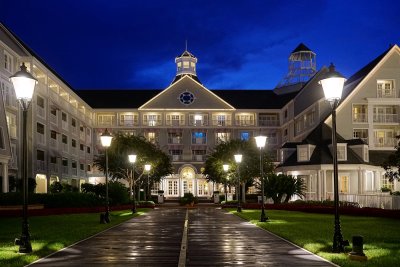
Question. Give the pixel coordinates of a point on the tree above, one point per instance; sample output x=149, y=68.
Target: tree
x=249, y=168
x=283, y=187
x=147, y=153
x=392, y=163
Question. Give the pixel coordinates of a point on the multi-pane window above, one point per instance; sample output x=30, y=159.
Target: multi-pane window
x=40, y=128
x=40, y=155
x=360, y=113
x=244, y=119
x=128, y=119
x=198, y=154
x=40, y=133
x=175, y=119
x=385, y=88
x=73, y=122
x=198, y=119
x=386, y=183
x=152, y=119
x=344, y=183
x=342, y=152
x=385, y=114
x=176, y=154
x=245, y=136
x=175, y=138
x=105, y=120
x=302, y=154
x=222, y=137
x=40, y=101
x=361, y=134
x=8, y=62
x=199, y=138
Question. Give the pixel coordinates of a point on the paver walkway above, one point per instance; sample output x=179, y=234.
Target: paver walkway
x=215, y=238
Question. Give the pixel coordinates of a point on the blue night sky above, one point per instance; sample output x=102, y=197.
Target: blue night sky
x=127, y=44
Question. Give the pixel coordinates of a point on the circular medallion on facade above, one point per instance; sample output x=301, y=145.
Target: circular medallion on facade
x=186, y=98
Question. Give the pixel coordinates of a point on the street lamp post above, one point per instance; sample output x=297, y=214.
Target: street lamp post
x=147, y=168
x=226, y=168
x=24, y=86
x=132, y=159
x=238, y=159
x=260, y=142
x=106, y=139
x=332, y=84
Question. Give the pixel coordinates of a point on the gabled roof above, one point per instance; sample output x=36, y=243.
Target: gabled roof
x=240, y=99
x=36, y=56
x=321, y=137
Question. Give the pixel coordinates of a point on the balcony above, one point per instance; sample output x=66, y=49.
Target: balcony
x=199, y=140
x=386, y=118
x=222, y=122
x=125, y=122
x=152, y=123
x=244, y=122
x=360, y=118
x=382, y=93
x=385, y=142
x=268, y=123
x=174, y=122
x=198, y=157
x=176, y=157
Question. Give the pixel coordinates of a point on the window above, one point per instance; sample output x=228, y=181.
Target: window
x=175, y=138
x=128, y=119
x=88, y=149
x=151, y=119
x=285, y=132
x=342, y=152
x=152, y=137
x=73, y=164
x=385, y=88
x=64, y=139
x=40, y=128
x=222, y=137
x=65, y=162
x=360, y=113
x=344, y=183
x=53, y=111
x=107, y=120
x=64, y=116
x=361, y=134
x=53, y=160
x=82, y=166
x=40, y=155
x=89, y=168
x=302, y=154
x=81, y=147
x=40, y=101
x=73, y=122
x=220, y=120
x=1, y=138
x=245, y=136
x=73, y=142
x=199, y=138
x=8, y=62
x=386, y=183
x=53, y=135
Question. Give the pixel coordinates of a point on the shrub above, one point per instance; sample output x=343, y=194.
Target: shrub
x=188, y=198
x=395, y=193
x=56, y=187
x=385, y=189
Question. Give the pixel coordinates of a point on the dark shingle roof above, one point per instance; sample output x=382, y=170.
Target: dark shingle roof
x=377, y=157
x=301, y=47
x=240, y=99
x=321, y=137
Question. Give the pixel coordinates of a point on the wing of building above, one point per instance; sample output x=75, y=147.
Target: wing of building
x=187, y=120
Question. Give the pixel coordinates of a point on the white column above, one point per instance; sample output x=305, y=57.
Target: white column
x=359, y=182
x=5, y=177
x=377, y=180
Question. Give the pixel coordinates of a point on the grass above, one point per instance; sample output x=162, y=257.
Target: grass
x=314, y=232
x=52, y=233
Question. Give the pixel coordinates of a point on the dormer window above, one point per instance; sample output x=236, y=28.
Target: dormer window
x=304, y=152
x=342, y=152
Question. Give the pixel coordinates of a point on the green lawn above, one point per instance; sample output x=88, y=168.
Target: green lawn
x=314, y=232
x=52, y=233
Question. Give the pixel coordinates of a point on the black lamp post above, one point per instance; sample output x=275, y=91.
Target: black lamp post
x=147, y=168
x=226, y=168
x=332, y=84
x=24, y=86
x=238, y=159
x=132, y=159
x=260, y=142
x=106, y=139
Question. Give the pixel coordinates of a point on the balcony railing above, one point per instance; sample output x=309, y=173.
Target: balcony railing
x=152, y=123
x=176, y=157
x=386, y=118
x=199, y=140
x=390, y=94
x=174, y=140
x=268, y=123
x=222, y=122
x=203, y=122
x=385, y=142
x=174, y=122
x=244, y=122
x=360, y=117
x=198, y=157
x=129, y=122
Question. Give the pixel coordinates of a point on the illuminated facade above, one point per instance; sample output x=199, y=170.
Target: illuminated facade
x=186, y=120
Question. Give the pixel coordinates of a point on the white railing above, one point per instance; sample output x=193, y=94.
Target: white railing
x=386, y=118
x=385, y=142
x=360, y=117
x=383, y=201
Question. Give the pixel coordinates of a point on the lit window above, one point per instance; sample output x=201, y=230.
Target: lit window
x=245, y=136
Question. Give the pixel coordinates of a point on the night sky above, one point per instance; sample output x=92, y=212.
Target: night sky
x=127, y=44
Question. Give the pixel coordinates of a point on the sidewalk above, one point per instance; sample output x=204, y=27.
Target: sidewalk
x=215, y=238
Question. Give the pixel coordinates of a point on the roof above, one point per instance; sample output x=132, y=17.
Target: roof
x=186, y=54
x=240, y=99
x=180, y=76
x=33, y=53
x=377, y=157
x=301, y=48
x=321, y=137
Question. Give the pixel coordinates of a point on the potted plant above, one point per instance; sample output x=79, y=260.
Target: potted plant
x=188, y=199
